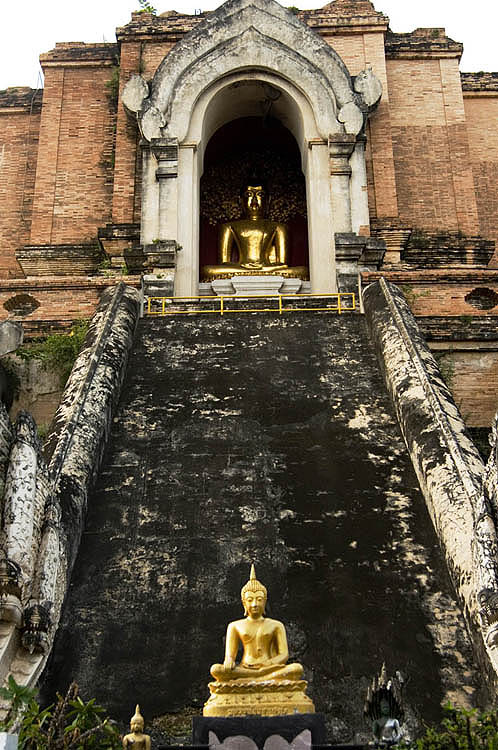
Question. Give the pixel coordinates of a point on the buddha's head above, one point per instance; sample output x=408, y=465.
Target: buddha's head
x=137, y=721
x=253, y=198
x=253, y=596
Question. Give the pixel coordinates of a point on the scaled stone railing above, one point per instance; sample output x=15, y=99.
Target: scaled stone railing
x=486, y=547
x=44, y=508
x=448, y=466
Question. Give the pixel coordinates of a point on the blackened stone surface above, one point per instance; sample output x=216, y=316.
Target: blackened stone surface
x=258, y=728
x=270, y=439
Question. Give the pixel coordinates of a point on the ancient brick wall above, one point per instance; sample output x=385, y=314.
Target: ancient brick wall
x=419, y=164
x=60, y=300
x=472, y=376
x=19, y=126
x=481, y=110
x=433, y=171
x=444, y=292
x=74, y=176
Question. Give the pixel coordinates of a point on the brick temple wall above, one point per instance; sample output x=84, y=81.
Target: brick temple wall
x=472, y=377
x=433, y=170
x=427, y=154
x=60, y=300
x=19, y=127
x=75, y=166
x=481, y=110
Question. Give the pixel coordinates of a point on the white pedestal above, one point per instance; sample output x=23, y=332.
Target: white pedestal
x=222, y=286
x=247, y=286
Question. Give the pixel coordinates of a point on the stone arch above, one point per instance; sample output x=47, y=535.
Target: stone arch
x=213, y=109
x=248, y=41
x=256, y=29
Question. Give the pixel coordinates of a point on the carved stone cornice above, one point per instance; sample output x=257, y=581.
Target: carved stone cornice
x=166, y=152
x=340, y=149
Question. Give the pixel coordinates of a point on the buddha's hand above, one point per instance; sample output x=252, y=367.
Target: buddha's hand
x=256, y=266
x=229, y=663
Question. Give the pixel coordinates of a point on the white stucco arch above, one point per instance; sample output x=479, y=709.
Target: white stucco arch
x=223, y=102
x=199, y=87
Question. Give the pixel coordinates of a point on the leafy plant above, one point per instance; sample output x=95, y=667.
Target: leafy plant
x=112, y=86
x=146, y=7
x=419, y=238
x=446, y=367
x=462, y=730
x=68, y=724
x=58, y=352
x=104, y=264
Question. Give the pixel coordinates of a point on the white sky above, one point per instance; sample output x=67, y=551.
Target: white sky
x=33, y=27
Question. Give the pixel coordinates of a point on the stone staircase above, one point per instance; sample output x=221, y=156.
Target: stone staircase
x=265, y=438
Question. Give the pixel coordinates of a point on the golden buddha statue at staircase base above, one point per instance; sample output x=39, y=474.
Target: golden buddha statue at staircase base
x=263, y=683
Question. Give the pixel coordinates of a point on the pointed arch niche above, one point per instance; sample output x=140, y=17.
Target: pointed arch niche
x=243, y=147
x=241, y=62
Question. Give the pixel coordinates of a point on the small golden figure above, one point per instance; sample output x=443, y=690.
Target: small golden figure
x=263, y=682
x=137, y=740
x=261, y=244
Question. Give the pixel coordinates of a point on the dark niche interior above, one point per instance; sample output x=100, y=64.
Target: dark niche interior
x=246, y=146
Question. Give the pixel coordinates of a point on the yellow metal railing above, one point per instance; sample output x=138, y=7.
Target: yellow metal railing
x=339, y=303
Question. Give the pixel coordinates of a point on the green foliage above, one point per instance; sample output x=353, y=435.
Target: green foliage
x=293, y=9
x=70, y=723
x=104, y=264
x=411, y=295
x=19, y=698
x=420, y=239
x=146, y=7
x=446, y=367
x=408, y=293
x=462, y=730
x=58, y=352
x=112, y=86
x=177, y=724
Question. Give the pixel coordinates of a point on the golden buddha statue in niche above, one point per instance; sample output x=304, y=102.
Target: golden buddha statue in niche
x=261, y=244
x=263, y=682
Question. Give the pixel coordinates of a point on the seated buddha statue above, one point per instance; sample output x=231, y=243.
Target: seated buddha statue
x=263, y=641
x=261, y=244
x=269, y=685
x=137, y=740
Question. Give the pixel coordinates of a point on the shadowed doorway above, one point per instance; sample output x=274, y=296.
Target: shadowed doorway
x=239, y=149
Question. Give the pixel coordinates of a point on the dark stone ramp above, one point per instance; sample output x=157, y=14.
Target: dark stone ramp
x=270, y=439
